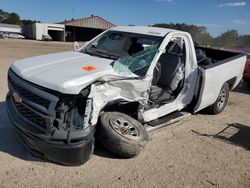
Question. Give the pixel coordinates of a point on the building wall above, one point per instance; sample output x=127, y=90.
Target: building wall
x=37, y=30
x=29, y=31
x=81, y=33
x=10, y=30
x=84, y=29
x=42, y=29
x=94, y=22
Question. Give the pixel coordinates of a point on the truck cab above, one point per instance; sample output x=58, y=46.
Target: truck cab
x=115, y=89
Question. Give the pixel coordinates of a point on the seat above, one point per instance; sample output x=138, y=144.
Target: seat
x=135, y=47
x=200, y=54
x=162, y=89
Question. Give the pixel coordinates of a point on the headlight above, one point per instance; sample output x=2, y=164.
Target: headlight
x=70, y=111
x=78, y=120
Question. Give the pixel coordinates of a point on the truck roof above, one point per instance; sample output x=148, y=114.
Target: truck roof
x=154, y=31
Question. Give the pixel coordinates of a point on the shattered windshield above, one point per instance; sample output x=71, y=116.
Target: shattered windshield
x=132, y=52
x=135, y=64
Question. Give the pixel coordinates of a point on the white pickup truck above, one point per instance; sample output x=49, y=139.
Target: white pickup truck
x=124, y=83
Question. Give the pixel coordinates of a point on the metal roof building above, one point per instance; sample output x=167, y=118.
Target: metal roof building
x=85, y=29
x=9, y=28
x=90, y=22
x=37, y=30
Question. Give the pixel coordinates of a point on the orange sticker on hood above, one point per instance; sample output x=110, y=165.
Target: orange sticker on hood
x=89, y=68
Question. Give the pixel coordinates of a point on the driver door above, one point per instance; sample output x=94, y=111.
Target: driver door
x=166, y=97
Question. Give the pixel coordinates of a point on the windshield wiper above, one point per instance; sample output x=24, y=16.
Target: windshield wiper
x=92, y=53
x=107, y=54
x=101, y=53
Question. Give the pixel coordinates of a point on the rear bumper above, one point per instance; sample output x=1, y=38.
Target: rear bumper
x=48, y=147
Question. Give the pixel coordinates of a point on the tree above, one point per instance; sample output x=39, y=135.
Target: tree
x=28, y=22
x=244, y=41
x=198, y=33
x=228, y=39
x=3, y=15
x=12, y=18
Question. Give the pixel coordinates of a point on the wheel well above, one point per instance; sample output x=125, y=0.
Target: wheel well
x=129, y=108
x=231, y=82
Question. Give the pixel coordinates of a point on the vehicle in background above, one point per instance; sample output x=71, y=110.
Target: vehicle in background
x=46, y=37
x=246, y=74
x=15, y=36
x=4, y=35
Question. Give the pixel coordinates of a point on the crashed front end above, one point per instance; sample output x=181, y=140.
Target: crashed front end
x=54, y=126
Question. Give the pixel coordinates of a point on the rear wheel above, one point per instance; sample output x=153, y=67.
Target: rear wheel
x=221, y=101
x=121, y=134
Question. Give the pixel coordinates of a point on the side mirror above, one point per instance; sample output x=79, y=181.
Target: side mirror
x=76, y=46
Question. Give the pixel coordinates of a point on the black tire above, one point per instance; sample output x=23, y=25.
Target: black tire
x=221, y=101
x=121, y=134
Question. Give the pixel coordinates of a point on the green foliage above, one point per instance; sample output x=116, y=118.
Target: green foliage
x=28, y=22
x=3, y=15
x=14, y=18
x=199, y=33
x=229, y=39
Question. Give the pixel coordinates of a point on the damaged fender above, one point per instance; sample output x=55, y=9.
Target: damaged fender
x=126, y=90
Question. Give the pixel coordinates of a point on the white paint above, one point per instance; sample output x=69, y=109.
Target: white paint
x=63, y=72
x=10, y=30
x=215, y=77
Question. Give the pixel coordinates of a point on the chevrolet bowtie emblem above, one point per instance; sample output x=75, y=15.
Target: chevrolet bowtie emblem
x=17, y=98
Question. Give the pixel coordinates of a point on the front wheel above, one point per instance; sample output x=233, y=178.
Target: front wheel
x=221, y=101
x=121, y=134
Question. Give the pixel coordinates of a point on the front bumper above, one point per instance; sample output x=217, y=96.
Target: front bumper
x=54, y=147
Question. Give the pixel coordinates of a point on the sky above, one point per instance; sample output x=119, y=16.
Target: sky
x=216, y=15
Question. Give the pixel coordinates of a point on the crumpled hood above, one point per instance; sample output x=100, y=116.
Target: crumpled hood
x=63, y=71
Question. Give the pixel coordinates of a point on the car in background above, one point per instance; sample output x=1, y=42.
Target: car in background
x=3, y=35
x=15, y=36
x=246, y=74
x=46, y=37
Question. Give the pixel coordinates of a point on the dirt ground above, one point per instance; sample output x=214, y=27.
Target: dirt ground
x=200, y=151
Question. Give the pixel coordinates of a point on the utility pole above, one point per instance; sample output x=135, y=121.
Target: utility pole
x=74, y=31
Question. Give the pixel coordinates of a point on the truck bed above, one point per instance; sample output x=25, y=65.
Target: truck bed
x=214, y=57
x=218, y=67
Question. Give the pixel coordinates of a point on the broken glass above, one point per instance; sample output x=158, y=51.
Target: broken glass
x=136, y=64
